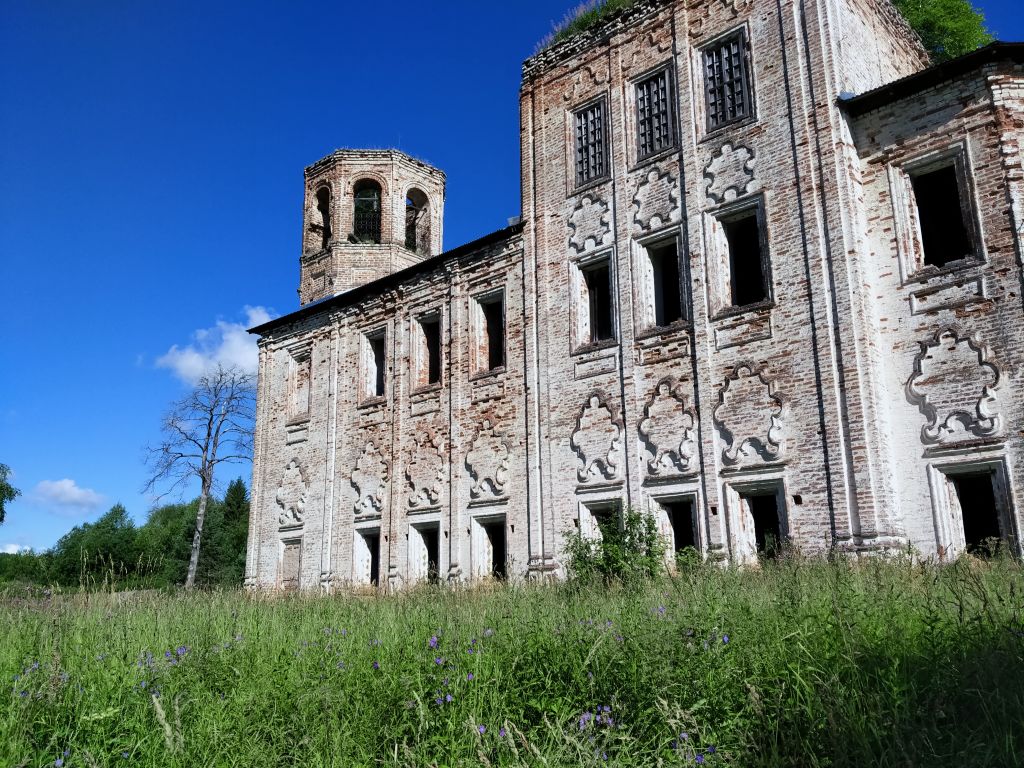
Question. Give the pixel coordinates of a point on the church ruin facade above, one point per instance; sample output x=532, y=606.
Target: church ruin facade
x=767, y=284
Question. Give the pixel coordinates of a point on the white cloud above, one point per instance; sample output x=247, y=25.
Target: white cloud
x=13, y=549
x=225, y=344
x=67, y=496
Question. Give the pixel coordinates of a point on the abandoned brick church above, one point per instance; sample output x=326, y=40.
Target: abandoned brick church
x=767, y=284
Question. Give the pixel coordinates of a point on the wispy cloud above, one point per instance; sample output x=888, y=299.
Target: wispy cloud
x=66, y=496
x=226, y=344
x=12, y=549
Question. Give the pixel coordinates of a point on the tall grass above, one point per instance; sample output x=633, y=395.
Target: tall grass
x=799, y=663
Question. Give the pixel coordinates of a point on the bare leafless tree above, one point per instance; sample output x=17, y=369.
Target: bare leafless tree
x=211, y=425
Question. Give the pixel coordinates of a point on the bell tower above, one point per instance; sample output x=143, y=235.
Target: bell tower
x=367, y=213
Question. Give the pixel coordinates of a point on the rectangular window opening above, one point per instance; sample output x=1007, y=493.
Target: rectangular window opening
x=598, y=280
x=979, y=511
x=764, y=510
x=368, y=557
x=665, y=288
x=591, y=143
x=430, y=360
x=495, y=532
x=425, y=553
x=746, y=258
x=376, y=365
x=680, y=519
x=654, y=115
x=727, y=83
x=492, y=332
x=945, y=235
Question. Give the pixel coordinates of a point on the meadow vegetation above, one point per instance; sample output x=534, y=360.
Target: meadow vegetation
x=802, y=663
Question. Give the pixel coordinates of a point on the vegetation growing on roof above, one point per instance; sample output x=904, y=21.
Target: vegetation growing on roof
x=947, y=28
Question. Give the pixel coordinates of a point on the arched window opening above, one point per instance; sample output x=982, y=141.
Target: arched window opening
x=367, y=211
x=417, y=222
x=323, y=206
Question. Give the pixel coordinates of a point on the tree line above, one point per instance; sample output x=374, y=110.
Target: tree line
x=154, y=554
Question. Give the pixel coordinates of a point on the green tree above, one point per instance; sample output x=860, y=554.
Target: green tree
x=8, y=492
x=948, y=28
x=94, y=550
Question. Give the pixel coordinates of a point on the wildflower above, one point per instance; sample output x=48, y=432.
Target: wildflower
x=124, y=755
x=439, y=661
x=469, y=676
x=711, y=750
x=725, y=639
x=501, y=732
x=438, y=701
x=445, y=682
x=58, y=763
x=433, y=641
x=482, y=729
x=182, y=650
x=376, y=665
x=449, y=698
x=684, y=736
x=699, y=759
x=661, y=610
x=167, y=654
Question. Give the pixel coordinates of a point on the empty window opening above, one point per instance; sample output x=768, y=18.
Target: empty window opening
x=654, y=114
x=431, y=542
x=591, y=143
x=368, y=557
x=430, y=360
x=323, y=206
x=376, y=366
x=291, y=562
x=726, y=82
x=495, y=533
x=978, y=510
x=601, y=519
x=417, y=222
x=668, y=304
x=764, y=510
x=945, y=236
x=680, y=519
x=598, y=280
x=367, y=219
x=299, y=374
x=492, y=332
x=746, y=259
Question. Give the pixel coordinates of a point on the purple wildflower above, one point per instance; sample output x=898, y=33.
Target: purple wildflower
x=433, y=641
x=711, y=749
x=376, y=665
x=449, y=698
x=439, y=661
x=438, y=701
x=482, y=729
x=725, y=638
x=58, y=763
x=501, y=732
x=699, y=759
x=469, y=676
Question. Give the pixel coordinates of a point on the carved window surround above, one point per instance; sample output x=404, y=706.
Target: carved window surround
x=949, y=533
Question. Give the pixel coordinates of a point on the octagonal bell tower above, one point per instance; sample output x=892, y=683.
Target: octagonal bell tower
x=367, y=213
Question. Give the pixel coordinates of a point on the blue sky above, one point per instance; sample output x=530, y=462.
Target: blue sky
x=151, y=160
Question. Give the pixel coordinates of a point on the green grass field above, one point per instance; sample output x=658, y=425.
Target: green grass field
x=801, y=663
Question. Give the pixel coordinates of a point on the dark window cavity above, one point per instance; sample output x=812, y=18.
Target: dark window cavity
x=377, y=365
x=323, y=206
x=367, y=211
x=591, y=143
x=432, y=545
x=976, y=494
x=748, y=271
x=492, y=331
x=598, y=280
x=665, y=287
x=680, y=517
x=431, y=360
x=943, y=215
x=417, y=222
x=655, y=116
x=495, y=532
x=372, y=540
x=764, y=509
x=727, y=82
